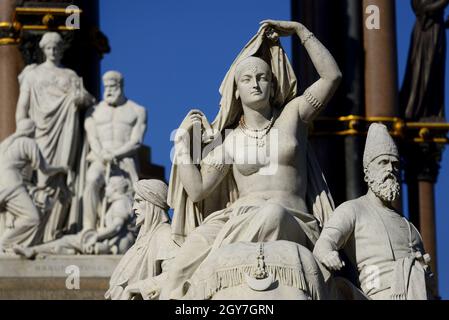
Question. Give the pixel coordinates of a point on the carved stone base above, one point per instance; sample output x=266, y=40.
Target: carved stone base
x=54, y=278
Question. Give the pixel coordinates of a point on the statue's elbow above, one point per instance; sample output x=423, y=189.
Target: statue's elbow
x=337, y=77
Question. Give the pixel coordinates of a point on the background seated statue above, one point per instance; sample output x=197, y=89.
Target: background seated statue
x=19, y=157
x=145, y=261
x=268, y=126
x=386, y=249
x=116, y=237
x=52, y=97
x=115, y=129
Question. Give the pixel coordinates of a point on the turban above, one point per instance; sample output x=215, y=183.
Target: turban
x=153, y=191
x=378, y=143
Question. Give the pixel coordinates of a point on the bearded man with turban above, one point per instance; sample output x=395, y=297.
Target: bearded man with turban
x=386, y=248
x=145, y=260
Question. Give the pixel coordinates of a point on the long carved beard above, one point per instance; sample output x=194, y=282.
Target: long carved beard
x=384, y=186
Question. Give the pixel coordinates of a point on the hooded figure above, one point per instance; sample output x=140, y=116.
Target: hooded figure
x=232, y=209
x=423, y=91
x=153, y=245
x=189, y=215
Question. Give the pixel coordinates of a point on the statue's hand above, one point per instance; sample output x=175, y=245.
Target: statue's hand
x=193, y=118
x=149, y=289
x=333, y=262
x=107, y=156
x=88, y=243
x=132, y=291
x=283, y=28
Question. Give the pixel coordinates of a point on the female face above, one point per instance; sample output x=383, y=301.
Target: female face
x=53, y=52
x=254, y=83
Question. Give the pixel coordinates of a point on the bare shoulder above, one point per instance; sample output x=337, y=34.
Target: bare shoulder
x=132, y=104
x=69, y=72
x=138, y=109
x=95, y=109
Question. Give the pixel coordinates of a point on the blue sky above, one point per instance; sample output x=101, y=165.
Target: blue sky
x=174, y=55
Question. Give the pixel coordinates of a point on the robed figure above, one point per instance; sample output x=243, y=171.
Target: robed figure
x=422, y=94
x=52, y=96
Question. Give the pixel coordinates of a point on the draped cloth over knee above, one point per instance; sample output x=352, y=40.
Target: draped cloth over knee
x=189, y=215
x=290, y=264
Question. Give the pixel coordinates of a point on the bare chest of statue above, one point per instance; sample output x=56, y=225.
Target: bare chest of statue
x=280, y=164
x=114, y=125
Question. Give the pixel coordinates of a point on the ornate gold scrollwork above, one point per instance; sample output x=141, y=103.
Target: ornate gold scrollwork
x=353, y=125
x=9, y=32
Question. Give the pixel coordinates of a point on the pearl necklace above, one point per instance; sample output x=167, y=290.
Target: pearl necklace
x=257, y=134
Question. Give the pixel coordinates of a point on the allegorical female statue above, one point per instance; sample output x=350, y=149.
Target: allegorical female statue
x=52, y=96
x=422, y=94
x=260, y=167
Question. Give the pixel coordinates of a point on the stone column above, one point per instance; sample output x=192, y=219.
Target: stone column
x=422, y=169
x=427, y=219
x=381, y=79
x=10, y=66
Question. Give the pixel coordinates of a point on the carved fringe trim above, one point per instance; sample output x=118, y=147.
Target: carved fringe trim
x=398, y=296
x=223, y=279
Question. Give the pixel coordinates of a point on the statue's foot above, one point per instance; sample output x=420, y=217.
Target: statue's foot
x=28, y=253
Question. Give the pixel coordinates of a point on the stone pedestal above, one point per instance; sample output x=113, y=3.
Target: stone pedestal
x=54, y=277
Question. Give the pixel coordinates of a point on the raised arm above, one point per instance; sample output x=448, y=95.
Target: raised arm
x=319, y=93
x=198, y=183
x=136, y=138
